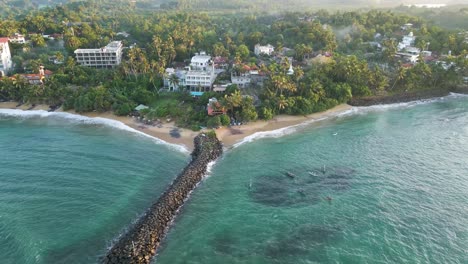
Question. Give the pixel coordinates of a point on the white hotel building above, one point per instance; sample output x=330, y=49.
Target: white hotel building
x=198, y=77
x=5, y=57
x=106, y=57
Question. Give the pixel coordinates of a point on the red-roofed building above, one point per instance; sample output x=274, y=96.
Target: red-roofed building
x=5, y=57
x=37, y=78
x=215, y=108
x=221, y=62
x=245, y=75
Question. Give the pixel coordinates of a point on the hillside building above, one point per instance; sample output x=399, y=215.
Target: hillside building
x=106, y=57
x=247, y=76
x=407, y=41
x=17, y=38
x=37, y=78
x=5, y=57
x=267, y=50
x=198, y=77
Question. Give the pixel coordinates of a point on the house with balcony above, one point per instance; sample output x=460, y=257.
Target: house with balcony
x=197, y=78
x=245, y=76
x=106, y=57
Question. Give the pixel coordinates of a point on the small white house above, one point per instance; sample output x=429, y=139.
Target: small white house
x=17, y=38
x=413, y=50
x=267, y=50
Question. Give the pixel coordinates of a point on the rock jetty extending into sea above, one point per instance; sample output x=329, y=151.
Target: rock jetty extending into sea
x=140, y=243
x=406, y=97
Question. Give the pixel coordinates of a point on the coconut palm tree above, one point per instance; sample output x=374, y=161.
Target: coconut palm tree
x=400, y=75
x=174, y=81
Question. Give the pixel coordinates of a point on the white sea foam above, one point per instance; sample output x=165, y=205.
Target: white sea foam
x=385, y=107
x=17, y=113
x=356, y=110
x=209, y=168
x=278, y=132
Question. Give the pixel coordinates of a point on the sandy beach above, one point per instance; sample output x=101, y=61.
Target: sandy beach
x=169, y=132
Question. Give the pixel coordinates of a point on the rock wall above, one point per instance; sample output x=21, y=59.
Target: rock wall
x=405, y=97
x=140, y=243
x=397, y=98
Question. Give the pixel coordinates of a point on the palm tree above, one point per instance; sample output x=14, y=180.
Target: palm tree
x=233, y=100
x=174, y=81
x=282, y=102
x=400, y=75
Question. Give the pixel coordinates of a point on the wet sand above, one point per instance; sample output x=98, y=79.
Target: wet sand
x=169, y=132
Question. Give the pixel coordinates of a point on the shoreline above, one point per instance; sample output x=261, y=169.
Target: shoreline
x=229, y=136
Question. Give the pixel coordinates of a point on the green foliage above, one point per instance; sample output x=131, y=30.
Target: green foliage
x=211, y=134
x=355, y=69
x=213, y=122
x=266, y=113
x=225, y=120
x=243, y=52
x=122, y=109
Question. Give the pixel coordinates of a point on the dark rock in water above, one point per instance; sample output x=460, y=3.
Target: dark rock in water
x=225, y=243
x=397, y=98
x=140, y=243
x=271, y=191
x=304, y=240
x=335, y=178
x=306, y=189
x=278, y=190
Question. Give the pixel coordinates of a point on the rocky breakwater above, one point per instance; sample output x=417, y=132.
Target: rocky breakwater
x=140, y=243
x=397, y=98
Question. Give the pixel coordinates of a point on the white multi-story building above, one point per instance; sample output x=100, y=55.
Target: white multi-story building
x=242, y=79
x=247, y=77
x=267, y=50
x=199, y=76
x=18, y=38
x=5, y=57
x=407, y=41
x=106, y=57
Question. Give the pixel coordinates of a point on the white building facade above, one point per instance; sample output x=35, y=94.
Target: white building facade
x=106, y=57
x=242, y=80
x=248, y=78
x=267, y=50
x=18, y=38
x=199, y=76
x=407, y=41
x=5, y=57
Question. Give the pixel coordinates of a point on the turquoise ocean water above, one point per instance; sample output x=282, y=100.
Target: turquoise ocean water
x=68, y=185
x=385, y=184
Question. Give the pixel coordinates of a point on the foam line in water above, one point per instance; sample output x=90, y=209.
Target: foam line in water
x=209, y=168
x=352, y=111
x=384, y=107
x=28, y=114
x=278, y=132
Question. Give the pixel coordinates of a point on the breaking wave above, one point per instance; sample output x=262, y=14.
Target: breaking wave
x=74, y=118
x=356, y=110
